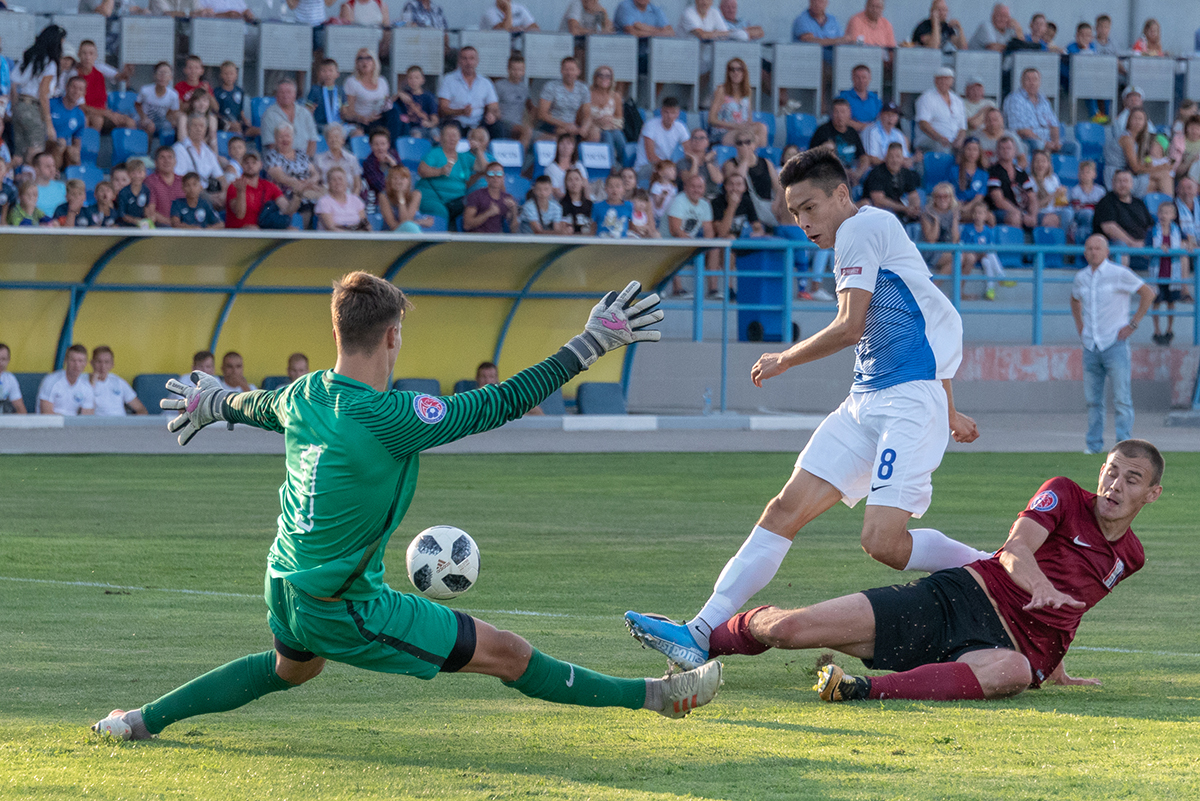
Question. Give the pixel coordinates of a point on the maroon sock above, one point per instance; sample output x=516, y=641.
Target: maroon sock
x=952, y=681
x=734, y=637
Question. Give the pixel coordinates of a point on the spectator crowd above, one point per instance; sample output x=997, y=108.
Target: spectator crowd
x=355, y=153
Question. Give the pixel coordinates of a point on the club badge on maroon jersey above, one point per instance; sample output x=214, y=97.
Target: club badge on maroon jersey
x=430, y=409
x=1115, y=574
x=1044, y=501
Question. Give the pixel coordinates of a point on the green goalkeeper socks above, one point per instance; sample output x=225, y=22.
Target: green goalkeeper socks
x=220, y=690
x=563, y=683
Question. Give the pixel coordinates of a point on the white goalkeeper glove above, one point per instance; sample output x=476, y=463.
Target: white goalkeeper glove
x=616, y=321
x=201, y=405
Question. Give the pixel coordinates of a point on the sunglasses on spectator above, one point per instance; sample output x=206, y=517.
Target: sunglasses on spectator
x=363, y=58
x=741, y=142
x=495, y=173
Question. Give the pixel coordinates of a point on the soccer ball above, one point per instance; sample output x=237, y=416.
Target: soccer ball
x=443, y=562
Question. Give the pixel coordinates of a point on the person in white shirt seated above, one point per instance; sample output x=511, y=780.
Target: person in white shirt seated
x=67, y=391
x=11, y=401
x=878, y=135
x=112, y=393
x=202, y=360
x=193, y=154
x=232, y=376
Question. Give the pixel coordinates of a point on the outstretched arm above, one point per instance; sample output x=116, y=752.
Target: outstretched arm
x=1017, y=557
x=845, y=330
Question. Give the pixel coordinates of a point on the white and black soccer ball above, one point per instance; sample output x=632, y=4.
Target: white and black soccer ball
x=443, y=562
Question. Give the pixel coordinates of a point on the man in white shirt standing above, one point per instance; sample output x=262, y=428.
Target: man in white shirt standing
x=941, y=117
x=67, y=391
x=1100, y=305
x=660, y=136
x=112, y=393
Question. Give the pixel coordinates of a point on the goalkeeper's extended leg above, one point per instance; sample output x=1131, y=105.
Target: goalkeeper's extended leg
x=524, y=668
x=230, y=686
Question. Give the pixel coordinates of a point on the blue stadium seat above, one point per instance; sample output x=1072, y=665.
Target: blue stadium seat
x=223, y=138
x=677, y=153
x=274, y=382
x=597, y=159
x=439, y=223
x=411, y=150
x=1043, y=235
x=767, y=119
x=913, y=230
x=1008, y=235
x=129, y=142
x=554, y=404
x=1153, y=200
x=360, y=146
x=375, y=220
x=298, y=221
x=771, y=154
x=257, y=106
x=89, y=145
x=30, y=383
x=724, y=153
x=596, y=397
x=90, y=174
x=799, y=129
x=508, y=153
x=517, y=186
x=1066, y=168
x=465, y=385
x=166, y=138
x=426, y=386
x=123, y=103
x=322, y=146
x=937, y=169
x=1090, y=137
x=151, y=388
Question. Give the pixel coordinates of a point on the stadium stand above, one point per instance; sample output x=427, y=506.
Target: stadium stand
x=466, y=385
x=151, y=388
x=597, y=397
x=29, y=383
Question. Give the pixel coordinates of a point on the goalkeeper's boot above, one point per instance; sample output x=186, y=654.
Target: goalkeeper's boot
x=683, y=692
x=672, y=639
x=834, y=684
x=124, y=725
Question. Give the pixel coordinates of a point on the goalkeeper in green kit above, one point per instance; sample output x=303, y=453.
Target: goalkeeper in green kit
x=352, y=456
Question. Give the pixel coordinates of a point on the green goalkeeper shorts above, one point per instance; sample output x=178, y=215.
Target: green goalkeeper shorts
x=393, y=633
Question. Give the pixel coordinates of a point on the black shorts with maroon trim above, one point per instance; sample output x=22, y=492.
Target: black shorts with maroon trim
x=934, y=619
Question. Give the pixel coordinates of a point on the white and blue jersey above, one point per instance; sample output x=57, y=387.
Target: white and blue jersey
x=912, y=332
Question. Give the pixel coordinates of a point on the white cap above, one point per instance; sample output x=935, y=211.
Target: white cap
x=944, y=72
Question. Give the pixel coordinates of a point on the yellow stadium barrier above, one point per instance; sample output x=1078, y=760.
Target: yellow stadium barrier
x=156, y=297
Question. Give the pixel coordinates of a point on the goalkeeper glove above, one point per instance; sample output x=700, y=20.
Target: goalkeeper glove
x=200, y=406
x=616, y=321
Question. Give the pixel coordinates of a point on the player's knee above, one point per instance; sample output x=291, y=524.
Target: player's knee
x=887, y=544
x=1009, y=675
x=296, y=673
x=777, y=628
x=505, y=655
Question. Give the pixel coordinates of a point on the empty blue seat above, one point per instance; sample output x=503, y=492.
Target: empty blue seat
x=123, y=103
x=274, y=382
x=129, y=142
x=465, y=385
x=508, y=153
x=517, y=186
x=1043, y=235
x=90, y=174
x=439, y=223
x=223, y=138
x=767, y=119
x=360, y=146
x=425, y=386
x=597, y=159
x=257, y=106
x=89, y=145
x=1008, y=235
x=1090, y=137
x=166, y=138
x=152, y=388
x=799, y=129
x=937, y=169
x=410, y=149
x=1154, y=200
x=30, y=383
x=596, y=397
x=1066, y=168
x=375, y=220
x=554, y=404
x=913, y=230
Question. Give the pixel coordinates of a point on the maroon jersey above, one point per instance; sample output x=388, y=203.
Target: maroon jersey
x=1076, y=558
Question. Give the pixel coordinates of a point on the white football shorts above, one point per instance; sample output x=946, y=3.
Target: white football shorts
x=883, y=445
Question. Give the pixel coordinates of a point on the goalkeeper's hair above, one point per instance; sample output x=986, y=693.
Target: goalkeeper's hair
x=1141, y=449
x=364, y=306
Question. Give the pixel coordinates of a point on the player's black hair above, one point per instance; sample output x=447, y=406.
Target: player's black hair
x=820, y=166
x=1141, y=449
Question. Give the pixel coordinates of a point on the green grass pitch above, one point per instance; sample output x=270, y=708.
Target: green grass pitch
x=569, y=542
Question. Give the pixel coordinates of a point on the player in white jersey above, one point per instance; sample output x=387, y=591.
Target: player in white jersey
x=112, y=392
x=10, y=389
x=67, y=391
x=885, y=440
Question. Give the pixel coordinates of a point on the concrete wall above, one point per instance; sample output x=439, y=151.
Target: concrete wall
x=673, y=377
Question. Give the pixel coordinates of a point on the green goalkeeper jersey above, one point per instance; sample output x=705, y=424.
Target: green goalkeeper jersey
x=352, y=459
